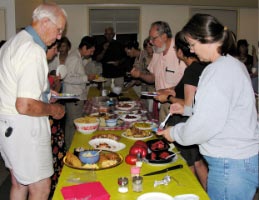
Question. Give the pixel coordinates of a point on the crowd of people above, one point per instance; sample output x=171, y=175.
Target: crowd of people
x=202, y=77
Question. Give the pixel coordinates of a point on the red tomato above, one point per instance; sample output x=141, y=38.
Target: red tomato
x=137, y=149
x=131, y=159
x=141, y=143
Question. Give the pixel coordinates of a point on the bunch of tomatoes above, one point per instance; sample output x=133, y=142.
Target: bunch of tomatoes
x=138, y=150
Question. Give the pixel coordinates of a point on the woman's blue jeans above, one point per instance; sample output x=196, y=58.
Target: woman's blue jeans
x=232, y=179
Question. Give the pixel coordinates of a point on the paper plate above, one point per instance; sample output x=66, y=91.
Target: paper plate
x=150, y=94
x=100, y=80
x=106, y=144
x=186, y=197
x=65, y=96
x=62, y=71
x=155, y=196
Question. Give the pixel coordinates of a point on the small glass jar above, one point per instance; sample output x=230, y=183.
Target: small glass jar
x=104, y=92
x=137, y=183
x=123, y=184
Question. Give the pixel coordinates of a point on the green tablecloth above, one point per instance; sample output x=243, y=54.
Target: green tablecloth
x=187, y=182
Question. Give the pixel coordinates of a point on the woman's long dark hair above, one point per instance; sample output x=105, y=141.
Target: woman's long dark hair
x=207, y=29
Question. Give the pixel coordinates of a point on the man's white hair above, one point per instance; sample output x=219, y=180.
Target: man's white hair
x=49, y=10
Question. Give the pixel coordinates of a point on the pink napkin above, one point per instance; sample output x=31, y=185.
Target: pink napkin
x=85, y=191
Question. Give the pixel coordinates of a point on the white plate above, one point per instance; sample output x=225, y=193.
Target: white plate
x=114, y=146
x=65, y=96
x=122, y=106
x=186, y=197
x=100, y=79
x=136, y=138
x=149, y=94
x=62, y=71
x=133, y=119
x=155, y=196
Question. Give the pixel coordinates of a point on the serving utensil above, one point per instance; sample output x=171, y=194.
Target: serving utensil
x=164, y=170
x=162, y=125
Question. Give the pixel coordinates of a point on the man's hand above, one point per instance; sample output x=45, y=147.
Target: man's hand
x=135, y=73
x=58, y=110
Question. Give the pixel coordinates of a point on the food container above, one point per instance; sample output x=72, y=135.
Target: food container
x=134, y=171
x=158, y=145
x=137, y=183
x=123, y=184
x=89, y=156
x=87, y=125
x=111, y=122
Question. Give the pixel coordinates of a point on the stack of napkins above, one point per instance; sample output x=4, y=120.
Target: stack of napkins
x=89, y=191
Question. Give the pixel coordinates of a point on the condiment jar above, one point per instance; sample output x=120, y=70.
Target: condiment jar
x=134, y=171
x=123, y=184
x=137, y=183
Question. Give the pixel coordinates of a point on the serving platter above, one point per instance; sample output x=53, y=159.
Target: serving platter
x=125, y=105
x=130, y=117
x=106, y=144
x=125, y=135
x=171, y=160
x=114, y=158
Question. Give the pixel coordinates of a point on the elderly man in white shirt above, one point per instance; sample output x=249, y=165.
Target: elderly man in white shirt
x=25, y=143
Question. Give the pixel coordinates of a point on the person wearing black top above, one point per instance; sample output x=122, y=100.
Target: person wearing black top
x=112, y=56
x=184, y=94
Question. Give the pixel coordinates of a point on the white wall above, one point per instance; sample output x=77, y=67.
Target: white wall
x=248, y=26
x=9, y=6
x=176, y=16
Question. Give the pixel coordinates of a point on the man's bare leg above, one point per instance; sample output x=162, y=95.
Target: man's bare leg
x=18, y=191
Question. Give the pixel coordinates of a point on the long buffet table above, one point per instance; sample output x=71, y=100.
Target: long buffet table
x=183, y=181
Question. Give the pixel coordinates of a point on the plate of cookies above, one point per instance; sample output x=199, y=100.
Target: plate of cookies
x=108, y=159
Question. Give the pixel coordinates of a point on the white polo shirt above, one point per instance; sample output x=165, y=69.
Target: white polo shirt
x=17, y=73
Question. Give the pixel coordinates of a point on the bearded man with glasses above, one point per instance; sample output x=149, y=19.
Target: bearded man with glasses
x=166, y=70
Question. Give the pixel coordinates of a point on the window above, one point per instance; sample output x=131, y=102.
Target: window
x=125, y=22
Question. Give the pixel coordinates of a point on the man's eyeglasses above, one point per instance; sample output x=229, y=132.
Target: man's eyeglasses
x=153, y=38
x=59, y=30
